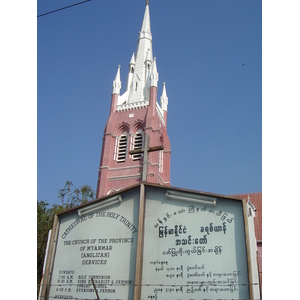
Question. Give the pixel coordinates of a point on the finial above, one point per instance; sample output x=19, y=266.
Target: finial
x=147, y=2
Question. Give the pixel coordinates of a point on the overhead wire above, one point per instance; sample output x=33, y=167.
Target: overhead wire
x=59, y=9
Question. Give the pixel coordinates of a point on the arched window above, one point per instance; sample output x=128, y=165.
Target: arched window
x=121, y=147
x=138, y=143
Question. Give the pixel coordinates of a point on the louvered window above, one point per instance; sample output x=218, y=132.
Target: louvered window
x=121, y=148
x=138, y=144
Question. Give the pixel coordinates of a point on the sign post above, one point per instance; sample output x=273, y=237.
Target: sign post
x=145, y=151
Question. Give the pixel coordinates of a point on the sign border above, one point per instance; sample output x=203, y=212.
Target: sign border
x=46, y=281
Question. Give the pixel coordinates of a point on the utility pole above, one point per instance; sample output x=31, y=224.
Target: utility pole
x=145, y=151
x=95, y=289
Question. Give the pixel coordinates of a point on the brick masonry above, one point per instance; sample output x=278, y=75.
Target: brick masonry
x=114, y=175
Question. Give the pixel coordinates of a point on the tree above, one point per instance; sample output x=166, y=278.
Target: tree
x=44, y=224
x=70, y=197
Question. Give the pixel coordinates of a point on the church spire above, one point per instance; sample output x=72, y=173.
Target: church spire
x=146, y=28
x=139, y=91
x=135, y=119
x=130, y=74
x=154, y=74
x=117, y=83
x=164, y=99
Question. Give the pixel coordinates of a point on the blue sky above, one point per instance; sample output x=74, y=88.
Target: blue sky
x=56, y=82
x=215, y=102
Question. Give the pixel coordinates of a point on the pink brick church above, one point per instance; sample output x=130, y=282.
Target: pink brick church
x=133, y=115
x=136, y=114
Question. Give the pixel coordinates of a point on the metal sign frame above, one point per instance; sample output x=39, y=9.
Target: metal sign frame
x=171, y=193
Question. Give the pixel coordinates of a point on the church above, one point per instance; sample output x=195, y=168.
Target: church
x=142, y=238
x=134, y=115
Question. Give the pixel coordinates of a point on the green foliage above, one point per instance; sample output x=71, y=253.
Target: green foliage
x=44, y=224
x=69, y=197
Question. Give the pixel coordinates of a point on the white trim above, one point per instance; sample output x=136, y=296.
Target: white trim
x=124, y=177
x=161, y=161
x=121, y=168
x=164, y=182
x=160, y=113
x=132, y=106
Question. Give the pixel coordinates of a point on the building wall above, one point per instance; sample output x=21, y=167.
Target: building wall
x=256, y=200
x=114, y=175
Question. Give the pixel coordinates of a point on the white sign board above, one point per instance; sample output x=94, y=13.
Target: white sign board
x=193, y=249
x=100, y=245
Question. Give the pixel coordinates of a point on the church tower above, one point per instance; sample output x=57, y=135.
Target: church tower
x=135, y=120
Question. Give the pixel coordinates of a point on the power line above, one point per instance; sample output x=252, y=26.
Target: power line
x=53, y=11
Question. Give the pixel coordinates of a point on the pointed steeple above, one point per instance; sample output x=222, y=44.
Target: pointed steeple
x=132, y=61
x=142, y=75
x=130, y=73
x=154, y=74
x=136, y=118
x=146, y=28
x=164, y=99
x=117, y=83
x=139, y=90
